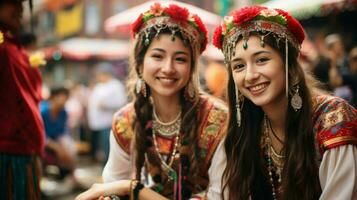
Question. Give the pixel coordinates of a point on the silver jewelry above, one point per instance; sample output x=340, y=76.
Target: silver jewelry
x=238, y=113
x=167, y=129
x=189, y=93
x=296, y=101
x=140, y=87
x=275, y=161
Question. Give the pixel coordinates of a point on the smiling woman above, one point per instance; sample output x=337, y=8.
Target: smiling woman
x=286, y=139
x=170, y=130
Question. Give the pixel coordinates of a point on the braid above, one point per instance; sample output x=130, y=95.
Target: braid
x=189, y=146
x=143, y=110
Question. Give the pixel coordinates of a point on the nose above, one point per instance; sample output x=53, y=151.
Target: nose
x=168, y=67
x=251, y=74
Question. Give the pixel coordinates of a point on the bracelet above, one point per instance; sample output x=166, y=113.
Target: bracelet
x=137, y=189
x=133, y=183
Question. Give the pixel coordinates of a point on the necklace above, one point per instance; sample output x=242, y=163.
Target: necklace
x=275, y=161
x=167, y=129
x=167, y=167
x=272, y=130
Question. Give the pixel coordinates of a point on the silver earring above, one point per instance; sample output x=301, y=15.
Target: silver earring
x=140, y=87
x=239, y=116
x=189, y=92
x=296, y=101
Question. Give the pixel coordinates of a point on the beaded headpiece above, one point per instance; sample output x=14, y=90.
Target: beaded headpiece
x=240, y=23
x=174, y=18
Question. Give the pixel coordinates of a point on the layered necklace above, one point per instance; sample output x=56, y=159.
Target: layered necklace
x=274, y=160
x=168, y=130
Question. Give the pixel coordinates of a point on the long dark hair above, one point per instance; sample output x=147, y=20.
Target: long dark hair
x=245, y=174
x=144, y=109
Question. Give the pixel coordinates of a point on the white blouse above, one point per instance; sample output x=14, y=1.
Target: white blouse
x=119, y=164
x=337, y=173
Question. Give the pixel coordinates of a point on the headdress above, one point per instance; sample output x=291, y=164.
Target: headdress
x=174, y=18
x=240, y=23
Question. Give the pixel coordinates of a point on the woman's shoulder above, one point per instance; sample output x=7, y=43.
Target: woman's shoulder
x=335, y=122
x=214, y=115
x=210, y=103
x=122, y=126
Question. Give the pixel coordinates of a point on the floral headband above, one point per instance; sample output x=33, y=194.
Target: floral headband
x=242, y=22
x=257, y=18
x=174, y=18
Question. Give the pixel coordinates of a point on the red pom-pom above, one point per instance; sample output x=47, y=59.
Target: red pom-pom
x=177, y=13
x=217, y=37
x=293, y=25
x=245, y=14
x=202, y=29
x=136, y=25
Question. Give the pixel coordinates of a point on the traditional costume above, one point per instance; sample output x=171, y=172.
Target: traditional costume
x=168, y=167
x=21, y=128
x=334, y=120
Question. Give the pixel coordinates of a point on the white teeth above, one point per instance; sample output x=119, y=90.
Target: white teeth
x=168, y=80
x=258, y=87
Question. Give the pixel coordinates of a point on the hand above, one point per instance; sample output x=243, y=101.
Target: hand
x=101, y=190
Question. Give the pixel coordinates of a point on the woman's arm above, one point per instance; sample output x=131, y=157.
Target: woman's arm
x=338, y=173
x=120, y=188
x=215, y=173
x=118, y=166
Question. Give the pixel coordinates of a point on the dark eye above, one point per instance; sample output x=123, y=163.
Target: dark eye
x=157, y=56
x=181, y=59
x=238, y=67
x=262, y=60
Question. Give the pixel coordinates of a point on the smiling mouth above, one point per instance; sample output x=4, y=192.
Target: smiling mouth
x=166, y=79
x=258, y=88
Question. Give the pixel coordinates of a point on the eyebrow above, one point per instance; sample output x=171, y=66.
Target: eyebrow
x=163, y=51
x=255, y=54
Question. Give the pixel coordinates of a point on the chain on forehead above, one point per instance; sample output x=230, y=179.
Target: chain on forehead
x=190, y=36
x=280, y=32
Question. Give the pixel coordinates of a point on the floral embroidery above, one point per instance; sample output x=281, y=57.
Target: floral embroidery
x=335, y=122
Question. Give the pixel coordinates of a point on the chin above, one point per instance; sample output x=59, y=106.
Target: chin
x=261, y=101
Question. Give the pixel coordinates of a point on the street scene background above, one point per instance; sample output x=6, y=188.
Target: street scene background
x=81, y=39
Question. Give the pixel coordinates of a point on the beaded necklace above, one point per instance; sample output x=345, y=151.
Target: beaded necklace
x=274, y=160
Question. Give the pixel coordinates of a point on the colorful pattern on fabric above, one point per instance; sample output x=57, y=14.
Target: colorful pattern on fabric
x=19, y=177
x=211, y=130
x=335, y=122
x=121, y=127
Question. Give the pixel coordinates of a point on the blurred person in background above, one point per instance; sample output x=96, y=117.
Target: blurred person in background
x=216, y=79
x=60, y=147
x=107, y=96
x=331, y=69
x=22, y=134
x=352, y=79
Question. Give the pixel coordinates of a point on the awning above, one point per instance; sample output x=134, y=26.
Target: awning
x=121, y=22
x=302, y=9
x=87, y=48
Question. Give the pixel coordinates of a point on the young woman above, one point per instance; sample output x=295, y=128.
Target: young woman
x=165, y=138
x=285, y=139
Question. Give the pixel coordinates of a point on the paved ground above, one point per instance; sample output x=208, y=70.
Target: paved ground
x=87, y=173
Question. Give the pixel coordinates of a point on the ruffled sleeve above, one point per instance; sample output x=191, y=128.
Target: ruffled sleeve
x=338, y=173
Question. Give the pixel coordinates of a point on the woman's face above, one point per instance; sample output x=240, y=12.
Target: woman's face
x=259, y=73
x=11, y=14
x=167, y=66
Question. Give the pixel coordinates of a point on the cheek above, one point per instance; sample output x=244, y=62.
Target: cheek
x=238, y=79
